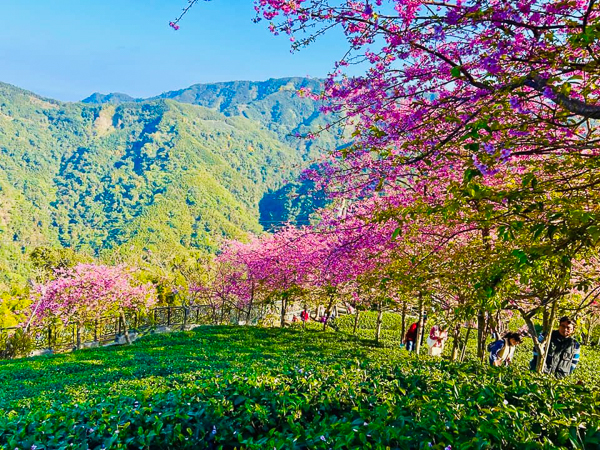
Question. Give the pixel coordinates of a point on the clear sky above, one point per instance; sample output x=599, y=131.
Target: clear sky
x=68, y=49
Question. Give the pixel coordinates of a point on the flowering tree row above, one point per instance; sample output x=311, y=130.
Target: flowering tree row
x=473, y=167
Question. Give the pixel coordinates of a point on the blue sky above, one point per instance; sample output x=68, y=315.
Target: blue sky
x=68, y=49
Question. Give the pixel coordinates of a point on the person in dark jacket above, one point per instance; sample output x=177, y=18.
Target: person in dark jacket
x=563, y=353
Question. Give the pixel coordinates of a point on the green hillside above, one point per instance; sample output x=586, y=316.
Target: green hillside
x=148, y=174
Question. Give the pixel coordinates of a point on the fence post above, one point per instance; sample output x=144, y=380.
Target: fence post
x=96, y=330
x=49, y=337
x=168, y=316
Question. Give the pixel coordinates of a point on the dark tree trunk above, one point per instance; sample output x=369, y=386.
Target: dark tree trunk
x=546, y=344
x=186, y=313
x=356, y=314
x=455, y=341
x=328, y=310
x=481, y=322
x=125, y=328
x=378, y=328
x=78, y=336
x=464, y=347
x=283, y=309
x=420, y=325
x=481, y=335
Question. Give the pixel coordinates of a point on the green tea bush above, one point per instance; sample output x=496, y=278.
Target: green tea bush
x=368, y=320
x=254, y=388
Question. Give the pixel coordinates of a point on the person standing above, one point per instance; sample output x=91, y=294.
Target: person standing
x=411, y=337
x=304, y=315
x=502, y=351
x=563, y=353
x=436, y=340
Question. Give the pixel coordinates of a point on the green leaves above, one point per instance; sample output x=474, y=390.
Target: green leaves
x=253, y=388
x=529, y=180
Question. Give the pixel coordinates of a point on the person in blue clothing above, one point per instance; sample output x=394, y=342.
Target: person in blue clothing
x=563, y=353
x=502, y=351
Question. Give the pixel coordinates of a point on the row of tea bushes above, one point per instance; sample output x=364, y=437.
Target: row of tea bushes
x=252, y=388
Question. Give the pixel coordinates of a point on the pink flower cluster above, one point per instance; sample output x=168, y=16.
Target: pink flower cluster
x=90, y=291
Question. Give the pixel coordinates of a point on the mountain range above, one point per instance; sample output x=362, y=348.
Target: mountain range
x=114, y=174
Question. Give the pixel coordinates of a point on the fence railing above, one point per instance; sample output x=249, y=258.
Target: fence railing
x=64, y=337
x=60, y=337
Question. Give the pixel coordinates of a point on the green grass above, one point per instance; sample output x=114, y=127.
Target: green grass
x=257, y=388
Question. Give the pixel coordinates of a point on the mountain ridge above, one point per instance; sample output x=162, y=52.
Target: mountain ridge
x=99, y=98
x=153, y=174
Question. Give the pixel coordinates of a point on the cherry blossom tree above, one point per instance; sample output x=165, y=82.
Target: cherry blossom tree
x=472, y=131
x=88, y=292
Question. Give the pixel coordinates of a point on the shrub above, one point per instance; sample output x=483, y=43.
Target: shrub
x=16, y=344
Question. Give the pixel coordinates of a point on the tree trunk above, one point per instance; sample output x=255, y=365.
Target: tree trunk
x=545, y=318
x=455, y=342
x=420, y=325
x=536, y=344
x=222, y=314
x=186, y=312
x=464, y=347
x=481, y=326
x=403, y=319
x=588, y=338
x=540, y=348
x=547, y=334
x=283, y=308
x=378, y=328
x=481, y=322
x=356, y=314
x=249, y=314
x=215, y=317
x=125, y=328
x=328, y=310
x=78, y=335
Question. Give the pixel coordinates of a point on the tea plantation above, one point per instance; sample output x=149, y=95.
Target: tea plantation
x=257, y=388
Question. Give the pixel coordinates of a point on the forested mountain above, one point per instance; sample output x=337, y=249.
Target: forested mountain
x=179, y=171
x=273, y=103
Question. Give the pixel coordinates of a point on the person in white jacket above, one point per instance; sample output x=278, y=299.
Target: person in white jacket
x=502, y=351
x=437, y=339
